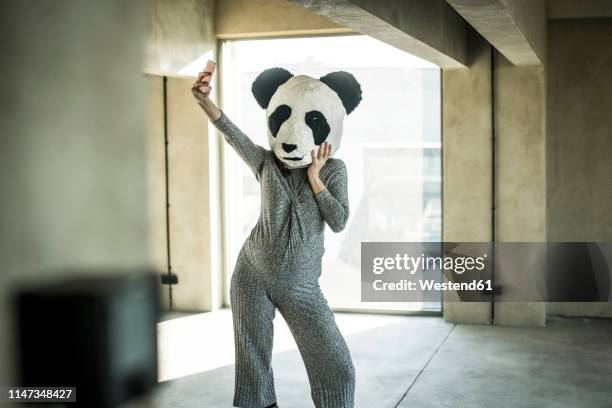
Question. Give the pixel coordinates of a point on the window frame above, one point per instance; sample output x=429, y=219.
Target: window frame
x=224, y=270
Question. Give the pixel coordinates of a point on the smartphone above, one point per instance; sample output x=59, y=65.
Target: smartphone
x=210, y=67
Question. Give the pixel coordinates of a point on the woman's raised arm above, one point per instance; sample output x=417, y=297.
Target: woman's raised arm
x=252, y=154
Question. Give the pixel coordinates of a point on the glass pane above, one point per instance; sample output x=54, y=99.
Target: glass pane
x=391, y=146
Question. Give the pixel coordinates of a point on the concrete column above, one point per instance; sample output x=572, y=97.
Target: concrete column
x=466, y=154
x=193, y=195
x=520, y=174
x=190, y=196
x=72, y=154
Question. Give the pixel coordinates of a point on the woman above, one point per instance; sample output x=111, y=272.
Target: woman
x=280, y=262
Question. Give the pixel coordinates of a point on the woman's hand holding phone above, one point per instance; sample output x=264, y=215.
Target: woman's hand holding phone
x=201, y=90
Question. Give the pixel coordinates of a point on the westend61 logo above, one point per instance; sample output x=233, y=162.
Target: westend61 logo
x=477, y=271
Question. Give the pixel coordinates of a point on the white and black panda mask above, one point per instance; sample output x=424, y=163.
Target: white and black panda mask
x=303, y=112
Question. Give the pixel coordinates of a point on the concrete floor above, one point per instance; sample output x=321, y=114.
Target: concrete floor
x=406, y=362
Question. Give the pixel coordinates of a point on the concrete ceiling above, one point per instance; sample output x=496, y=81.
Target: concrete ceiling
x=572, y=9
x=436, y=30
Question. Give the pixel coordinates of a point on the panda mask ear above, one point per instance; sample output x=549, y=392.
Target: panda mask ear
x=266, y=84
x=347, y=88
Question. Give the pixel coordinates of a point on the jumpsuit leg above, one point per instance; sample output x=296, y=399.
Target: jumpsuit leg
x=253, y=314
x=326, y=356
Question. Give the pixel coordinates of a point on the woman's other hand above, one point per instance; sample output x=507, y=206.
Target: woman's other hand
x=319, y=158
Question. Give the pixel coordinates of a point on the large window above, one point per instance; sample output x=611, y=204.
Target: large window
x=391, y=146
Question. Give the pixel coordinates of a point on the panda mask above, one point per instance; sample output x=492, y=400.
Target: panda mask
x=303, y=112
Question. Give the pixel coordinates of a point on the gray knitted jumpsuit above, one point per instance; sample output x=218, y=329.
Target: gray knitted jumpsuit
x=278, y=267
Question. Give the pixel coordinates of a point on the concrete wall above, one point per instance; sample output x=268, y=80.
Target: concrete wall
x=192, y=194
x=72, y=154
x=579, y=149
x=261, y=18
x=570, y=9
x=466, y=155
x=178, y=32
x=520, y=214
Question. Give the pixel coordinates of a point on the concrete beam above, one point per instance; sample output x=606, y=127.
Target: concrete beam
x=571, y=9
x=516, y=28
x=431, y=29
x=269, y=18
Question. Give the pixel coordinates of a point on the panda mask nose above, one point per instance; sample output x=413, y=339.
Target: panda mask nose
x=287, y=147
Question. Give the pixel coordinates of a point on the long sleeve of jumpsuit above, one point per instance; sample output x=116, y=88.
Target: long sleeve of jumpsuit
x=278, y=267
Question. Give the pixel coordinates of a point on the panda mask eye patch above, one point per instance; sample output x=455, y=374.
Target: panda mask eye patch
x=277, y=118
x=318, y=124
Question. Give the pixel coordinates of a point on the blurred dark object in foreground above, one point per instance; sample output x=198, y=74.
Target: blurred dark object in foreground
x=577, y=272
x=98, y=334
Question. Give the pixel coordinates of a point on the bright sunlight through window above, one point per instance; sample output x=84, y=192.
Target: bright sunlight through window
x=391, y=146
